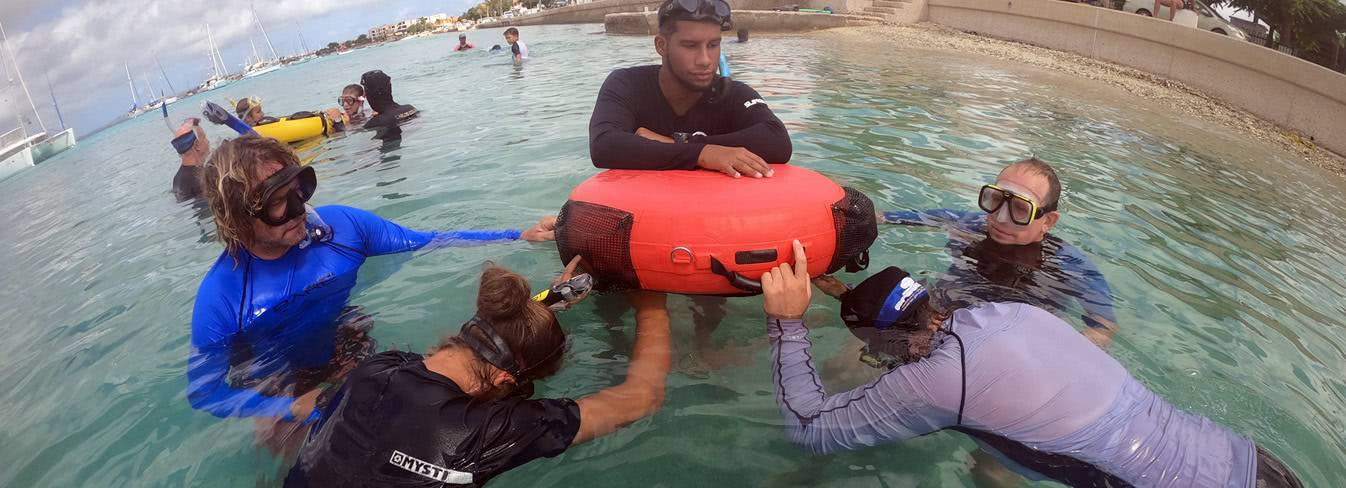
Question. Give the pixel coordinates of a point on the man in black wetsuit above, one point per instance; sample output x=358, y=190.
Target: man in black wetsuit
x=192, y=146
x=680, y=114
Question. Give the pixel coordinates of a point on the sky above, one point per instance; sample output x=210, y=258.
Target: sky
x=82, y=44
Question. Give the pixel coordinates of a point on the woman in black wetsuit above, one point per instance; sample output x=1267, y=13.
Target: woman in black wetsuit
x=463, y=413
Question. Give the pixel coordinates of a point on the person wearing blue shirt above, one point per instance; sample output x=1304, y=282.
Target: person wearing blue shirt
x=1005, y=254
x=271, y=329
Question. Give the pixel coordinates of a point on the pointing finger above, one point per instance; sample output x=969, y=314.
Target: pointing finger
x=801, y=261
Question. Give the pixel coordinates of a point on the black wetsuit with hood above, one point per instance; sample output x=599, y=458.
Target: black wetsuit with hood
x=379, y=93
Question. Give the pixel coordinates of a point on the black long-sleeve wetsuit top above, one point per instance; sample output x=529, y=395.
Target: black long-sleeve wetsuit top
x=631, y=99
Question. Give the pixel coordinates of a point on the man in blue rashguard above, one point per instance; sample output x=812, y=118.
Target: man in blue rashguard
x=1006, y=255
x=271, y=328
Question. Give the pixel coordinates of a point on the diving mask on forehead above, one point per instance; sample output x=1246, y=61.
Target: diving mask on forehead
x=294, y=200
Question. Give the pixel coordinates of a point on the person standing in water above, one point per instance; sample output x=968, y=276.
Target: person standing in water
x=463, y=45
x=465, y=412
x=271, y=329
x=742, y=37
x=192, y=146
x=379, y=92
x=249, y=110
x=352, y=101
x=1005, y=254
x=680, y=114
x=1020, y=381
x=518, y=50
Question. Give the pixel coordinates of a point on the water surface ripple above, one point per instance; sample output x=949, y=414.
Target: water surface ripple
x=1223, y=255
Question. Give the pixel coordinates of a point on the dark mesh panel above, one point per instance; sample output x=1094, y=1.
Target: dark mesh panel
x=854, y=218
x=603, y=236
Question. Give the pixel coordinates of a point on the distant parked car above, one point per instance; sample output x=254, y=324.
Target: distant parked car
x=1207, y=18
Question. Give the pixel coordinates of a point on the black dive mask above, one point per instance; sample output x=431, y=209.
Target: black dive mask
x=294, y=200
x=713, y=10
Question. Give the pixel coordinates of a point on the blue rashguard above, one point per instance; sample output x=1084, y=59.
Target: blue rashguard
x=1014, y=376
x=257, y=320
x=1050, y=274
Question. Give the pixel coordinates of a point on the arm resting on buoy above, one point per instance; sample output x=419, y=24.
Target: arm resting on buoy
x=642, y=394
x=755, y=127
x=613, y=143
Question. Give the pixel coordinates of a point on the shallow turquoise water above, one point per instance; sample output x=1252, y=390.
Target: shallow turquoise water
x=1224, y=256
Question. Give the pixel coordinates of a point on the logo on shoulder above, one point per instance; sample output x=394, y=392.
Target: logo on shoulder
x=752, y=102
x=437, y=473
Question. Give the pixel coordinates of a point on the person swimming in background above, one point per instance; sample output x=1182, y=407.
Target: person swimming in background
x=464, y=413
x=192, y=146
x=249, y=110
x=379, y=92
x=1020, y=381
x=463, y=45
x=271, y=328
x=495, y=47
x=517, y=48
x=352, y=101
x=742, y=37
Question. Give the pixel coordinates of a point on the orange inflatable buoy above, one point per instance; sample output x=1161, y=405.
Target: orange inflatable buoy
x=703, y=233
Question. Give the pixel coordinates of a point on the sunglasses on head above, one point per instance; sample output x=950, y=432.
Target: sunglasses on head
x=294, y=200
x=187, y=140
x=1023, y=210
x=714, y=10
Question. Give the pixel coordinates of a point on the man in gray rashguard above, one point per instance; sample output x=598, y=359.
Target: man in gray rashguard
x=1009, y=375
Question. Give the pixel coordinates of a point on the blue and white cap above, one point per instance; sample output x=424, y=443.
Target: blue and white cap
x=882, y=300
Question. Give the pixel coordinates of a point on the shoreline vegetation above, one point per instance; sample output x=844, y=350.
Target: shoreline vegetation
x=1181, y=98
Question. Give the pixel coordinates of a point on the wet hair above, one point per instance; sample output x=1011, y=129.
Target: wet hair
x=743, y=34
x=529, y=328
x=353, y=87
x=512, y=32
x=231, y=185
x=894, y=346
x=1039, y=167
x=495, y=47
x=243, y=107
x=670, y=24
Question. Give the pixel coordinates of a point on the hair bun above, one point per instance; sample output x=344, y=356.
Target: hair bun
x=502, y=294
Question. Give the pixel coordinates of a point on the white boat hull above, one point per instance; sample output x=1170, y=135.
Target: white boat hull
x=53, y=145
x=17, y=157
x=262, y=71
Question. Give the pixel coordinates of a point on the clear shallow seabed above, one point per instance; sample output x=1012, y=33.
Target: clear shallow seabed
x=1223, y=255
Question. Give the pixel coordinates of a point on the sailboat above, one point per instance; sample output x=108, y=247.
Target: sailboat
x=65, y=139
x=167, y=99
x=220, y=78
x=21, y=150
x=136, y=109
x=262, y=66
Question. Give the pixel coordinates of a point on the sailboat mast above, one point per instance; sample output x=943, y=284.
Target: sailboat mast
x=132, y=84
x=161, y=71
x=220, y=70
x=9, y=50
x=302, y=45
x=53, y=101
x=254, y=51
x=263, y=29
x=148, y=88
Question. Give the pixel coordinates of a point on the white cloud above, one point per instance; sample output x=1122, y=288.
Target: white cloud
x=83, y=48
